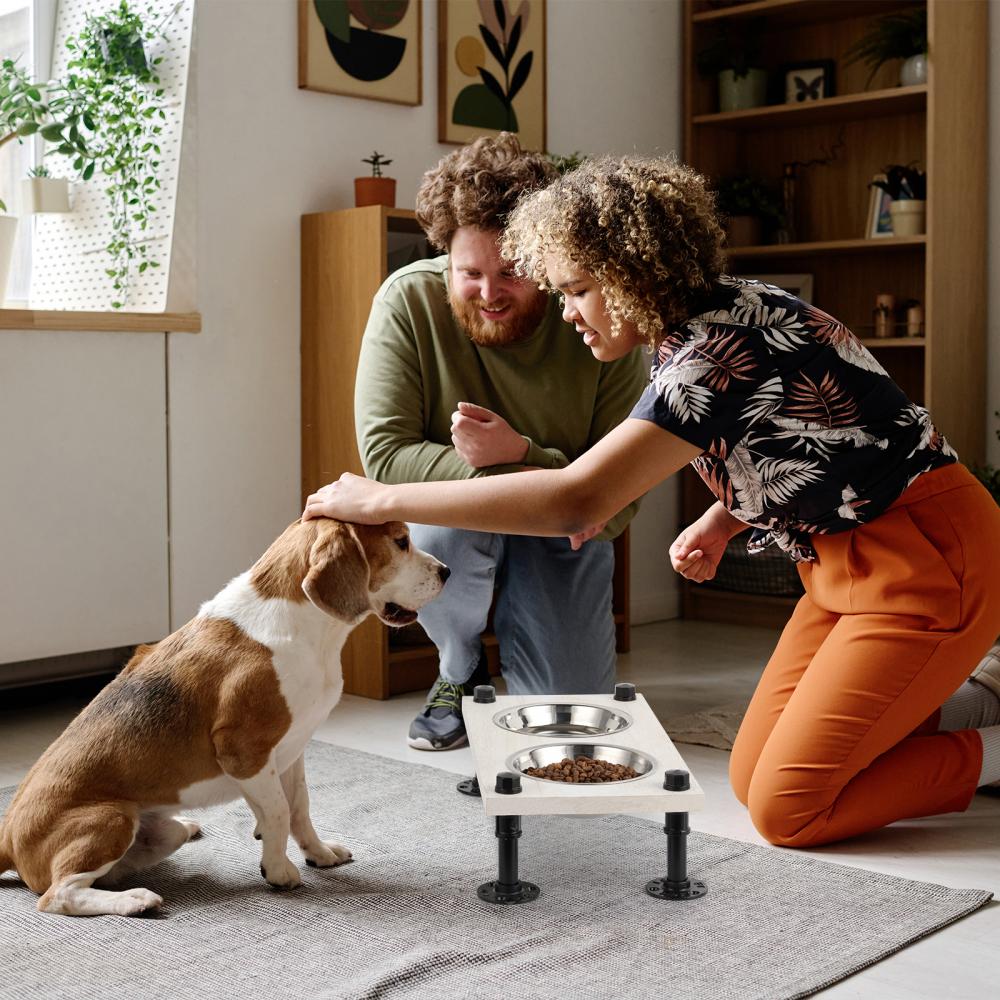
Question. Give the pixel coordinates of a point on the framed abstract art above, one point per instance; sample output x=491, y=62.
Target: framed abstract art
x=491, y=70
x=361, y=48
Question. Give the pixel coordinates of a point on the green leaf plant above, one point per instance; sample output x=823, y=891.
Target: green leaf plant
x=107, y=114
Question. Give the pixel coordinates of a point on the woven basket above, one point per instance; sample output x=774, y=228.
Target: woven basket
x=768, y=572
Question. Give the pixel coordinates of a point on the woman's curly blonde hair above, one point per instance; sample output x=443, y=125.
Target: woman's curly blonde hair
x=646, y=229
x=478, y=185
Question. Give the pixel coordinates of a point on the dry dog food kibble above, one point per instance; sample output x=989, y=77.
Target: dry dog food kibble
x=583, y=770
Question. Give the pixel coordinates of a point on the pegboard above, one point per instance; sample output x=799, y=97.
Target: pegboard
x=69, y=260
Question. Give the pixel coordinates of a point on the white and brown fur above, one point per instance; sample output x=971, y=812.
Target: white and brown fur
x=222, y=708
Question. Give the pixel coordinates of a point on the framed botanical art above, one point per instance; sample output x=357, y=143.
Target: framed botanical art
x=491, y=70
x=361, y=48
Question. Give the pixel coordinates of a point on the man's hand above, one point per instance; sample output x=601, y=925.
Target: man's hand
x=482, y=437
x=577, y=540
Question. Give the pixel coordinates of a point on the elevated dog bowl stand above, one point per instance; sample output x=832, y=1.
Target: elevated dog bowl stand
x=501, y=751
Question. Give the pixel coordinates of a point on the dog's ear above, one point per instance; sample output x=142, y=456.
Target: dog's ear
x=337, y=581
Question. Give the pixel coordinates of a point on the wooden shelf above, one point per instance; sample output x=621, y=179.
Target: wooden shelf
x=799, y=11
x=881, y=342
x=112, y=322
x=886, y=243
x=847, y=107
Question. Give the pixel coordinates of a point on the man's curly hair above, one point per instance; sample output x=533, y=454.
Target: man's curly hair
x=478, y=185
x=646, y=229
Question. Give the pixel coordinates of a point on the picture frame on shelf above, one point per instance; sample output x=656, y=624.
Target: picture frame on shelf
x=800, y=285
x=362, y=51
x=491, y=71
x=879, y=221
x=813, y=80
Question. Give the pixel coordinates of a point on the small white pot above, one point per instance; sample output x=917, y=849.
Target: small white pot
x=8, y=230
x=908, y=216
x=913, y=71
x=45, y=194
x=737, y=93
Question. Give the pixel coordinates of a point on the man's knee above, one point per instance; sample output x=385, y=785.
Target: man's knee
x=453, y=546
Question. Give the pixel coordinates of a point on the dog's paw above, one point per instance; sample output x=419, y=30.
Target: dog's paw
x=193, y=827
x=132, y=902
x=326, y=854
x=256, y=833
x=281, y=874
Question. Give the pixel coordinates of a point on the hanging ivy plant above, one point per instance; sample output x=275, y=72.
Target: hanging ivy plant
x=124, y=120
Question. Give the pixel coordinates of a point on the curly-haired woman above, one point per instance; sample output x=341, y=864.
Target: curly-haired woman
x=861, y=717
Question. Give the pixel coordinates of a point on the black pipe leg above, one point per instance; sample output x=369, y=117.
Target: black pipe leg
x=470, y=786
x=676, y=885
x=508, y=888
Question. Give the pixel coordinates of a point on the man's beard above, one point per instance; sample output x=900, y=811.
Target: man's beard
x=521, y=324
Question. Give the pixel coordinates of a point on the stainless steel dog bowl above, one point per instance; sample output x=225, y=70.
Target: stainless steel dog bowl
x=555, y=752
x=562, y=719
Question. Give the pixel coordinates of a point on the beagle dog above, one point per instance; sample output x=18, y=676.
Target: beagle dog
x=221, y=708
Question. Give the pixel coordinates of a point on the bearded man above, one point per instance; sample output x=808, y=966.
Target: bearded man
x=467, y=370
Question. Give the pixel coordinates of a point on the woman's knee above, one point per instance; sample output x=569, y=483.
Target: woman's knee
x=740, y=773
x=780, y=818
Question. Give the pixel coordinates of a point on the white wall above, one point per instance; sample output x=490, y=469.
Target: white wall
x=267, y=153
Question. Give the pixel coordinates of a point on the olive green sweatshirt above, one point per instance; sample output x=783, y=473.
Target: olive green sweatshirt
x=417, y=364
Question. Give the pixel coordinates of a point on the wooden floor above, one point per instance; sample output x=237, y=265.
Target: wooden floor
x=682, y=667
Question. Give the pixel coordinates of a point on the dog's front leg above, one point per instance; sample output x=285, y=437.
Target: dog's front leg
x=266, y=798
x=319, y=853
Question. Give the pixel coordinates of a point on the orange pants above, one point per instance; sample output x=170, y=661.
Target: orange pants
x=841, y=735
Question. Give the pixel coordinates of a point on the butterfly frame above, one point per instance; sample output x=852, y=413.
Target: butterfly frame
x=809, y=81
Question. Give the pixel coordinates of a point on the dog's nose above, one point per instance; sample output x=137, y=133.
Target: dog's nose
x=444, y=573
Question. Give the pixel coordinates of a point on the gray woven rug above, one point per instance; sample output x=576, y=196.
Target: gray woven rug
x=404, y=921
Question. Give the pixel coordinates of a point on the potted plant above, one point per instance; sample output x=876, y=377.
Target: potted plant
x=735, y=60
x=375, y=190
x=907, y=186
x=105, y=114
x=747, y=205
x=901, y=35
x=564, y=164
x=41, y=192
x=8, y=230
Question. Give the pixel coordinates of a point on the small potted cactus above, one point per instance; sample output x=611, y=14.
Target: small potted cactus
x=375, y=190
x=41, y=192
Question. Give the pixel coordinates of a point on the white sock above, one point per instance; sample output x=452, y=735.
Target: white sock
x=991, y=756
x=972, y=706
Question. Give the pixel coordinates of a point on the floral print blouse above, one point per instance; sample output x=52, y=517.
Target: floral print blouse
x=803, y=431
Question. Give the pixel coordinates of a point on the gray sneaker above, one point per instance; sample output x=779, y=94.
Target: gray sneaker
x=440, y=725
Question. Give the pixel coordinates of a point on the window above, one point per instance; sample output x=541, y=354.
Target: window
x=17, y=157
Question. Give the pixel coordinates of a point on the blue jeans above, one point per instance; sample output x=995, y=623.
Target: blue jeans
x=553, y=617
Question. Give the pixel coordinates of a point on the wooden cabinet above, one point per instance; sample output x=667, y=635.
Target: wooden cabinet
x=346, y=256
x=940, y=124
